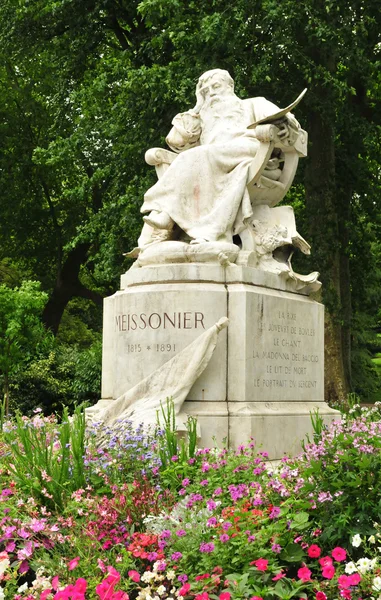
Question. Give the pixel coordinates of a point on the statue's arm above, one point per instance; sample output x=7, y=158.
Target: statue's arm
x=186, y=131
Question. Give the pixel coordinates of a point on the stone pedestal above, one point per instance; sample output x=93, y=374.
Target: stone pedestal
x=267, y=371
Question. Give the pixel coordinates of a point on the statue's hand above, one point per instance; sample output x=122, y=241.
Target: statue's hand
x=288, y=131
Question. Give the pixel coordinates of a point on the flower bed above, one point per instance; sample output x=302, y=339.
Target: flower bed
x=146, y=517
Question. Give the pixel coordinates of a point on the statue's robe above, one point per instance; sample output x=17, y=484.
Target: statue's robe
x=204, y=189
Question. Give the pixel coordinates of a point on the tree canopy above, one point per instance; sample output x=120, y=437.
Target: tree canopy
x=88, y=85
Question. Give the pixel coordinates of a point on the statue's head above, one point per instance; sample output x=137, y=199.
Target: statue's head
x=216, y=82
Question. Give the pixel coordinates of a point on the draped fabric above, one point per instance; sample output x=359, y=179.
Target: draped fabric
x=204, y=189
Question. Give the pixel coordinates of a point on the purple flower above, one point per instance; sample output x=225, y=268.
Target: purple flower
x=196, y=497
x=174, y=458
x=204, y=482
x=165, y=534
x=182, y=578
x=211, y=522
x=276, y=548
x=161, y=544
x=217, y=492
x=205, y=467
x=185, y=482
x=224, y=538
x=226, y=525
x=191, y=461
x=211, y=504
x=207, y=547
x=181, y=532
x=176, y=556
x=152, y=556
x=275, y=512
x=182, y=492
x=162, y=565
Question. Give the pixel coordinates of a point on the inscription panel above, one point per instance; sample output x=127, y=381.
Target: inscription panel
x=283, y=346
x=147, y=326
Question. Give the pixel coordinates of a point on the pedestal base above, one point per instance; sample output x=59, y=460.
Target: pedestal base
x=267, y=372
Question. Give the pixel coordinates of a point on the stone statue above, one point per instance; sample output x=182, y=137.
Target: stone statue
x=230, y=160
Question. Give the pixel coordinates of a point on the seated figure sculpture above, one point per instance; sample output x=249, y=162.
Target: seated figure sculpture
x=206, y=192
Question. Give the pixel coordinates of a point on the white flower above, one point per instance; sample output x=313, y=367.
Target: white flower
x=350, y=568
x=363, y=565
x=373, y=563
x=22, y=588
x=4, y=564
x=371, y=539
x=356, y=540
x=376, y=586
x=148, y=576
x=170, y=575
x=2, y=597
x=161, y=590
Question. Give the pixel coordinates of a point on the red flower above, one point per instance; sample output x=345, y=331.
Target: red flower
x=201, y=577
x=256, y=598
x=328, y=571
x=203, y=596
x=134, y=575
x=339, y=554
x=320, y=596
x=225, y=596
x=304, y=574
x=261, y=564
x=314, y=551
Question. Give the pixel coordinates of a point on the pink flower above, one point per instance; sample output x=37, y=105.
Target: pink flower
x=279, y=575
x=225, y=596
x=55, y=583
x=320, y=596
x=203, y=596
x=184, y=590
x=343, y=581
x=80, y=585
x=256, y=598
x=134, y=575
x=339, y=554
x=45, y=594
x=73, y=563
x=314, y=551
x=328, y=571
x=325, y=561
x=261, y=564
x=354, y=579
x=304, y=574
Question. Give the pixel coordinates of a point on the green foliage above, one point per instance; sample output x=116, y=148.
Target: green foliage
x=66, y=376
x=342, y=475
x=86, y=91
x=47, y=460
x=175, y=451
x=21, y=332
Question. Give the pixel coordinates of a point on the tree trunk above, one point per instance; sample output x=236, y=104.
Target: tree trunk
x=322, y=216
x=345, y=283
x=67, y=287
